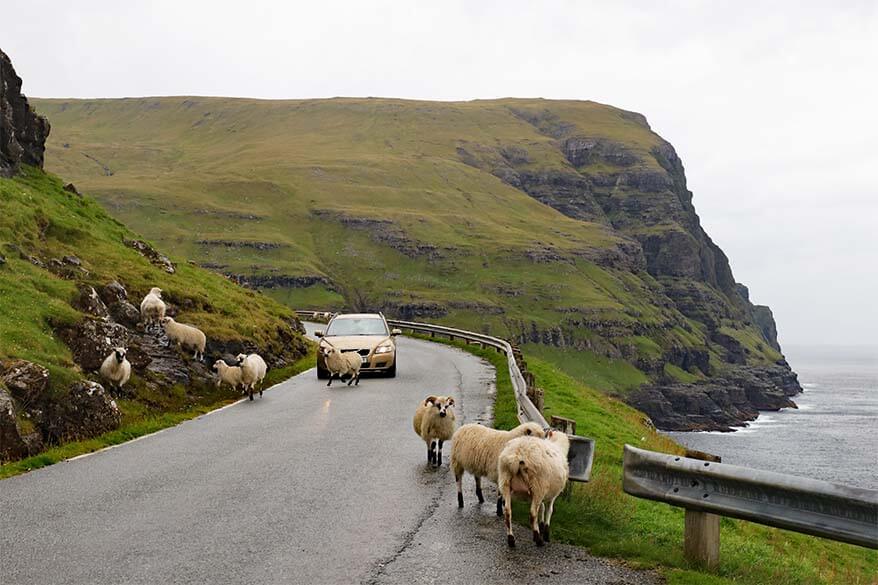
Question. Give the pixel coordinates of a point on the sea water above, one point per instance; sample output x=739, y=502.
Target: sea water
x=832, y=436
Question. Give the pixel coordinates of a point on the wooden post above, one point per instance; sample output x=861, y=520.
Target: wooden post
x=701, y=529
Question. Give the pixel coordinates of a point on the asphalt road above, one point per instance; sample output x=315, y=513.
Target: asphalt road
x=306, y=485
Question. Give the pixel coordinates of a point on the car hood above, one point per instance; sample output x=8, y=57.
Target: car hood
x=355, y=341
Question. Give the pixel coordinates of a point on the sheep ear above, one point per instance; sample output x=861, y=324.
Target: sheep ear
x=430, y=400
x=450, y=401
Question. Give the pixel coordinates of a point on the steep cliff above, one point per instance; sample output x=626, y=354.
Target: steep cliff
x=22, y=132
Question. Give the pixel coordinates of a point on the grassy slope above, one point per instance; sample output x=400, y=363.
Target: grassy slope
x=252, y=170
x=608, y=522
x=43, y=220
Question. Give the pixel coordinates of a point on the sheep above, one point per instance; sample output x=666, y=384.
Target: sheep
x=231, y=375
x=152, y=308
x=534, y=468
x=254, y=369
x=116, y=368
x=342, y=363
x=186, y=336
x=476, y=449
x=434, y=422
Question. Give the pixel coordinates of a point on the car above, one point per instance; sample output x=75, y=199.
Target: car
x=365, y=333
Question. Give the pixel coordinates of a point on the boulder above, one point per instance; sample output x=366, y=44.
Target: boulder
x=125, y=313
x=26, y=381
x=88, y=301
x=113, y=292
x=87, y=411
x=91, y=341
x=12, y=445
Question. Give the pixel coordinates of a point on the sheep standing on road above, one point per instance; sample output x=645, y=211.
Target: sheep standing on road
x=152, y=308
x=116, y=368
x=253, y=368
x=186, y=336
x=534, y=468
x=226, y=374
x=342, y=364
x=434, y=422
x=476, y=449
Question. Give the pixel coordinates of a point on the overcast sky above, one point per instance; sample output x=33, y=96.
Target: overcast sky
x=772, y=106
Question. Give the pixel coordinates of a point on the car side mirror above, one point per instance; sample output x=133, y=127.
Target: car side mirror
x=396, y=332
x=318, y=333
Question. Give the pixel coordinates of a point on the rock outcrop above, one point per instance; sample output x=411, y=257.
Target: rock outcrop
x=23, y=133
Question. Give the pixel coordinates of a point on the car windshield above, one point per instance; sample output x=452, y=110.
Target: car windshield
x=357, y=326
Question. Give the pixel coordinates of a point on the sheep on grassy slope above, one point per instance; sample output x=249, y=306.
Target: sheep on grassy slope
x=476, y=449
x=226, y=374
x=186, y=336
x=435, y=422
x=342, y=363
x=152, y=308
x=116, y=368
x=536, y=469
x=253, y=368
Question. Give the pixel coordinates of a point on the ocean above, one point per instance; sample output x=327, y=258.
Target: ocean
x=832, y=436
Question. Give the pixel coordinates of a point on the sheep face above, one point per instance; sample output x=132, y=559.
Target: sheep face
x=240, y=358
x=442, y=403
x=529, y=430
x=156, y=291
x=328, y=350
x=216, y=365
x=166, y=320
x=120, y=354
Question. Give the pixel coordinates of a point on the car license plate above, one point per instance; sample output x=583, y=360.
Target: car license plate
x=365, y=360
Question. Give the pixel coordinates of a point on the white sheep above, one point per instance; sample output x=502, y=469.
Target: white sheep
x=434, y=422
x=152, y=308
x=253, y=368
x=476, y=449
x=342, y=363
x=231, y=375
x=535, y=469
x=187, y=336
x=116, y=368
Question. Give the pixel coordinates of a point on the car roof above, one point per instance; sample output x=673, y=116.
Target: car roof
x=359, y=316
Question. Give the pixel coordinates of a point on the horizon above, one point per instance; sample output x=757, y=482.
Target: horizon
x=764, y=106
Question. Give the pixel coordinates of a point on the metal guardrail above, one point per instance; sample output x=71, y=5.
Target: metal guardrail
x=581, y=454
x=820, y=508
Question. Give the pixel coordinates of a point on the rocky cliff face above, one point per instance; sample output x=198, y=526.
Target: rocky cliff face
x=22, y=132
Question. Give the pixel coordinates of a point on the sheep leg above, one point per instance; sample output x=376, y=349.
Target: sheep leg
x=534, y=520
x=479, y=490
x=545, y=528
x=459, y=479
x=439, y=455
x=507, y=514
x=430, y=455
x=331, y=375
x=358, y=379
x=500, y=499
x=250, y=391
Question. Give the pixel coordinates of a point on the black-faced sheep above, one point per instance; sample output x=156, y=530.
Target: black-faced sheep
x=476, y=449
x=434, y=422
x=116, y=368
x=152, y=308
x=341, y=363
x=253, y=368
x=536, y=469
x=186, y=336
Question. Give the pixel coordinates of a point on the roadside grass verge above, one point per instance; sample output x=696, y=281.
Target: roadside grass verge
x=602, y=518
x=139, y=420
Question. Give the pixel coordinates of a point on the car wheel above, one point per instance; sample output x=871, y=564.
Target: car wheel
x=391, y=371
x=322, y=374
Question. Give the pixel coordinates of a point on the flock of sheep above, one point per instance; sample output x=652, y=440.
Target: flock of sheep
x=248, y=372
x=526, y=462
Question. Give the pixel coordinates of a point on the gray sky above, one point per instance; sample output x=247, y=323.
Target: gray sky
x=772, y=106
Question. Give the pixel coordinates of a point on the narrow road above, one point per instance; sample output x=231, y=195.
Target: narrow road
x=306, y=485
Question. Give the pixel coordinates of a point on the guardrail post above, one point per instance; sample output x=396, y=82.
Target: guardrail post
x=565, y=425
x=701, y=529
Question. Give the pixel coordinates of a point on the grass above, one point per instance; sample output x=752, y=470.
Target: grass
x=139, y=420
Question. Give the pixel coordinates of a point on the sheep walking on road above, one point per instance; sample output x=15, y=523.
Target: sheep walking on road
x=226, y=374
x=253, y=369
x=435, y=422
x=152, y=308
x=186, y=336
x=477, y=448
x=536, y=469
x=342, y=364
x=116, y=368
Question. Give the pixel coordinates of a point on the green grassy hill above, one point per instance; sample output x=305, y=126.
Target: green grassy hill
x=562, y=224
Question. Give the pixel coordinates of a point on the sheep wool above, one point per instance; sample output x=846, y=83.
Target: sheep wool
x=152, y=307
x=476, y=449
x=186, y=336
x=226, y=374
x=434, y=422
x=116, y=369
x=342, y=364
x=536, y=469
x=253, y=369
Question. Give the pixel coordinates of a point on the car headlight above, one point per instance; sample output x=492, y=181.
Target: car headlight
x=386, y=348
